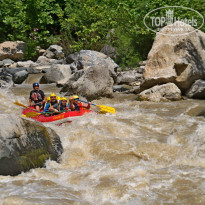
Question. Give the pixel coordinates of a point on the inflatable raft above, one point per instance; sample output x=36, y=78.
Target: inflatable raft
x=65, y=115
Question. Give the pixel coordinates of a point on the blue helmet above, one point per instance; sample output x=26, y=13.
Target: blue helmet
x=35, y=85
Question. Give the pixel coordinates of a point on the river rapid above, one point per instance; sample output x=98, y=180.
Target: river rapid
x=146, y=153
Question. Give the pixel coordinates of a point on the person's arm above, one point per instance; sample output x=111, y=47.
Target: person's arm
x=30, y=99
x=87, y=106
x=72, y=106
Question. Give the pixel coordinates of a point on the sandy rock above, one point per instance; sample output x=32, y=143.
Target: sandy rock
x=165, y=92
x=14, y=50
x=179, y=59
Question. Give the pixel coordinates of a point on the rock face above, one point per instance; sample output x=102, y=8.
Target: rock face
x=54, y=52
x=197, y=90
x=12, y=50
x=25, y=144
x=57, y=74
x=166, y=92
x=87, y=58
x=179, y=59
x=92, y=83
x=128, y=77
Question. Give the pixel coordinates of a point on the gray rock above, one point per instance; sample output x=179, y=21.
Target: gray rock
x=92, y=83
x=26, y=64
x=142, y=63
x=54, y=52
x=109, y=51
x=165, y=92
x=26, y=144
x=12, y=70
x=42, y=60
x=128, y=77
x=119, y=88
x=20, y=76
x=14, y=50
x=87, y=58
x=56, y=74
x=5, y=79
x=197, y=90
x=1, y=63
x=141, y=69
x=7, y=62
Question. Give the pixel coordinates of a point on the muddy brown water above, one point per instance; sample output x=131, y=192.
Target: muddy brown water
x=146, y=153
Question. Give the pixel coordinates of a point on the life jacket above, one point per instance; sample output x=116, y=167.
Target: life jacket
x=63, y=108
x=36, y=96
x=78, y=107
x=56, y=105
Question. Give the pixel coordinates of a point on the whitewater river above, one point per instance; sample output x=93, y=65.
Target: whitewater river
x=146, y=153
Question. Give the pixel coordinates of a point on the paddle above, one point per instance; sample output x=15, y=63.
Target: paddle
x=103, y=108
x=34, y=114
x=19, y=104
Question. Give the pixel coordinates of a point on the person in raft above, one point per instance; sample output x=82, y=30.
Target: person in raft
x=75, y=105
x=63, y=105
x=37, y=96
x=53, y=105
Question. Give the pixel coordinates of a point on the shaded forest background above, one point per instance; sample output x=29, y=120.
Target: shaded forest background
x=85, y=24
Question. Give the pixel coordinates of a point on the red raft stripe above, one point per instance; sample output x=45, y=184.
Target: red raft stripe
x=42, y=118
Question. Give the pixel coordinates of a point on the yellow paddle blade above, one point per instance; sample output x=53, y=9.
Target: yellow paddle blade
x=32, y=114
x=105, y=109
x=19, y=104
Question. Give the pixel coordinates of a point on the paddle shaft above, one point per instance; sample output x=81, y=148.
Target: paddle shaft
x=86, y=102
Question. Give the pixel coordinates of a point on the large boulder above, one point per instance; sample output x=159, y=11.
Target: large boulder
x=128, y=77
x=54, y=52
x=20, y=76
x=87, y=58
x=25, y=144
x=176, y=58
x=92, y=83
x=165, y=92
x=197, y=90
x=56, y=74
x=14, y=50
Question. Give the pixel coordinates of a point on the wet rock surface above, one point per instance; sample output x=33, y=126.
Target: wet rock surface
x=25, y=144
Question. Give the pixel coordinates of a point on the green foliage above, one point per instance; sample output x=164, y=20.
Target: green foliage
x=86, y=24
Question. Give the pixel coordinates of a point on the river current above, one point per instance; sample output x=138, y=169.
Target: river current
x=145, y=153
